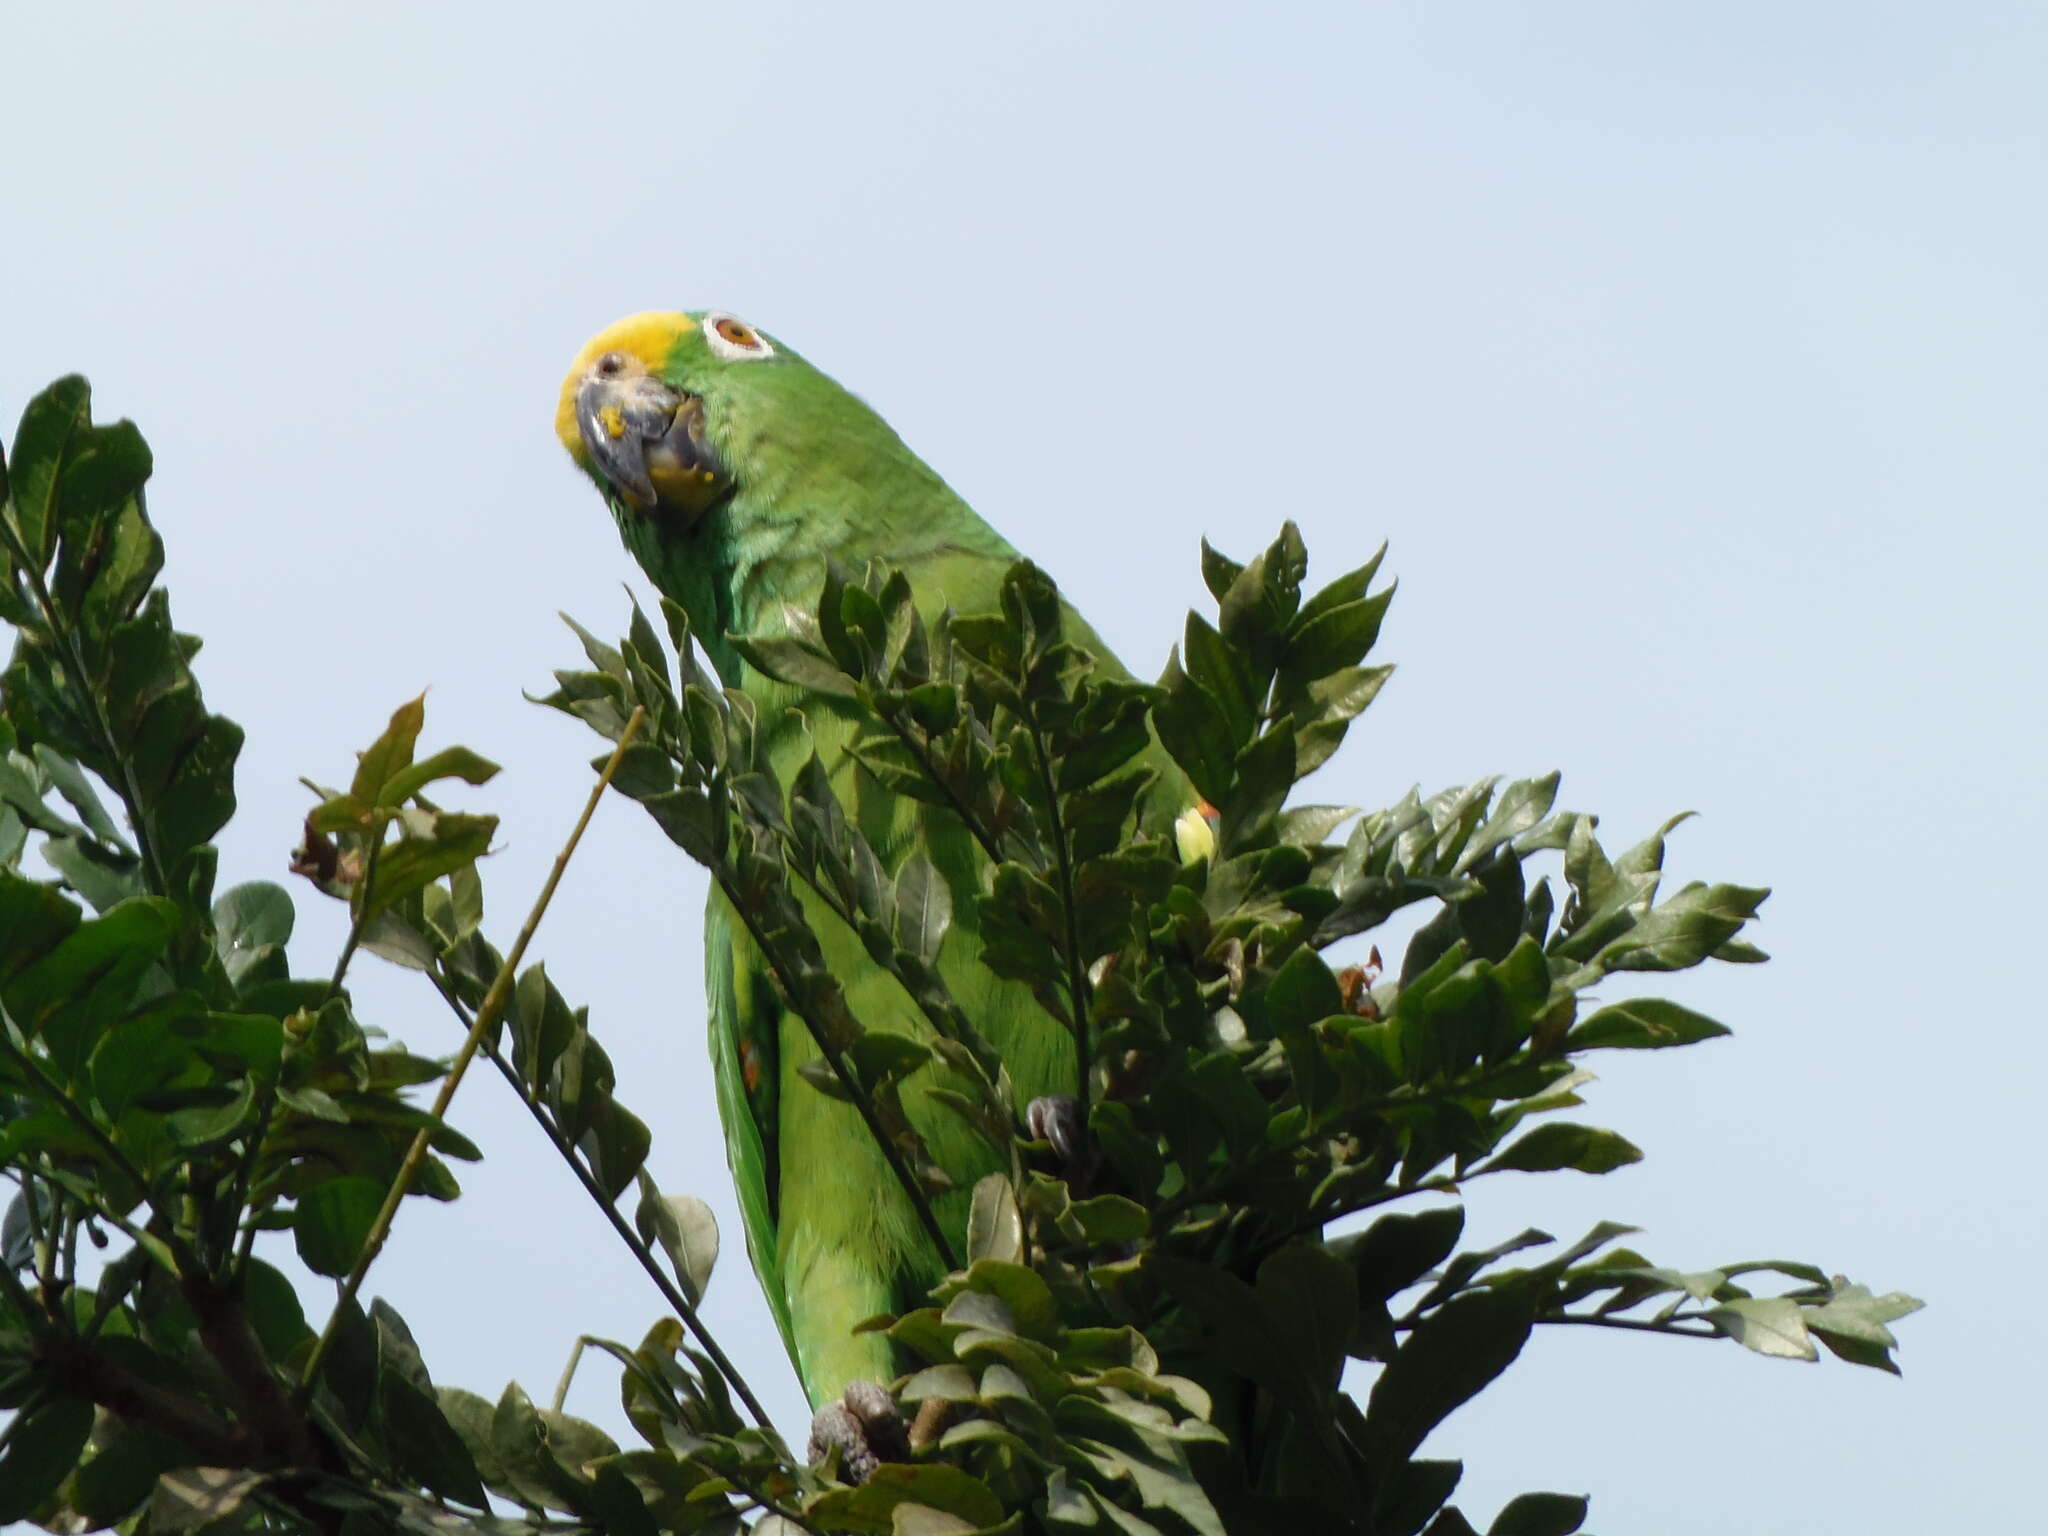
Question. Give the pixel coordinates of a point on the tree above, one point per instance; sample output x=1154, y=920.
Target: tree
x=1153, y=1315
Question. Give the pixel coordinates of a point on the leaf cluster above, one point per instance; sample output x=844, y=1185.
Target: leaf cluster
x=1153, y=1309
x=1245, y=1095
x=171, y=1091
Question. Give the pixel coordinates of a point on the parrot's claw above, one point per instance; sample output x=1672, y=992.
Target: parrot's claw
x=1057, y=1118
x=864, y=1427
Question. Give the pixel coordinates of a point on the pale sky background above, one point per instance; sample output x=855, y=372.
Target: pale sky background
x=1692, y=364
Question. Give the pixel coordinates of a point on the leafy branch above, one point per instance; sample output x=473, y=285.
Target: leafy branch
x=1159, y=1302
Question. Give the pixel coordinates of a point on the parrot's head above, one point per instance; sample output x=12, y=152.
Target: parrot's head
x=662, y=409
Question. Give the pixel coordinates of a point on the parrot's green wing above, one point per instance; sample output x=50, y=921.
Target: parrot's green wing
x=745, y=1019
x=736, y=471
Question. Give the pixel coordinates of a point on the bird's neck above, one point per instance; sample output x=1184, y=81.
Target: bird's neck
x=691, y=567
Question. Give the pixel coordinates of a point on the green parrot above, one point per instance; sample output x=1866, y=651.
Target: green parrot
x=735, y=470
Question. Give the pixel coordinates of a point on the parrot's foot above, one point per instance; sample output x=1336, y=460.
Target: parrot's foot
x=1057, y=1118
x=864, y=1427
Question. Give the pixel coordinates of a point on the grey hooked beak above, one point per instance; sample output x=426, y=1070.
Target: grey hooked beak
x=646, y=439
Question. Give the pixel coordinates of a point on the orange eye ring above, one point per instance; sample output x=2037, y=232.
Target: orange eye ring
x=733, y=340
x=738, y=332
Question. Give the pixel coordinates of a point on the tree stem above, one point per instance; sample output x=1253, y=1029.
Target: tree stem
x=669, y=1291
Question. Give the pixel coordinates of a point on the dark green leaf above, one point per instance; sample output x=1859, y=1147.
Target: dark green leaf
x=448, y=763
x=1301, y=992
x=42, y=443
x=41, y=1451
x=1312, y=1300
x=1684, y=930
x=1399, y=1249
x=1337, y=637
x=1540, y=1514
x=869, y=1508
x=448, y=841
x=123, y=1471
x=390, y=753
x=1643, y=1023
x=787, y=661
x=333, y=1222
x=1450, y=1356
x=924, y=907
x=1561, y=1144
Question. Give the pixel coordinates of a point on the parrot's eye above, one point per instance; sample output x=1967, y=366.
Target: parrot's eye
x=611, y=365
x=733, y=339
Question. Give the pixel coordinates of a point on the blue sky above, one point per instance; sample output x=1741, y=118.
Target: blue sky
x=1691, y=363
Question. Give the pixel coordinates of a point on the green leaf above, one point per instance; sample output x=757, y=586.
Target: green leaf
x=995, y=1229
x=1133, y=1153
x=1223, y=675
x=43, y=441
x=201, y=795
x=1399, y=1249
x=123, y=1471
x=442, y=843
x=1265, y=773
x=789, y=661
x=1312, y=1300
x=924, y=907
x=274, y=1310
x=685, y=1230
x=103, y=876
x=390, y=753
x=1241, y=1333
x=1449, y=1358
x=1348, y=588
x=1106, y=1220
x=1643, y=1023
x=252, y=917
x=1540, y=1514
x=1301, y=992
x=1770, y=1325
x=448, y=763
x=1219, y=571
x=41, y=1451
x=869, y=1508
x=1852, y=1324
x=1561, y=1144
x=1337, y=637
x=333, y=1222
x=1193, y=727
x=880, y=1056
x=1684, y=930
x=78, y=792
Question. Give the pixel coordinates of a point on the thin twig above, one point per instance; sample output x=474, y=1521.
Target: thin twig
x=917, y=749
x=669, y=1291
x=486, y=1019
x=362, y=921
x=245, y=1172
x=569, y=1372
x=1634, y=1325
